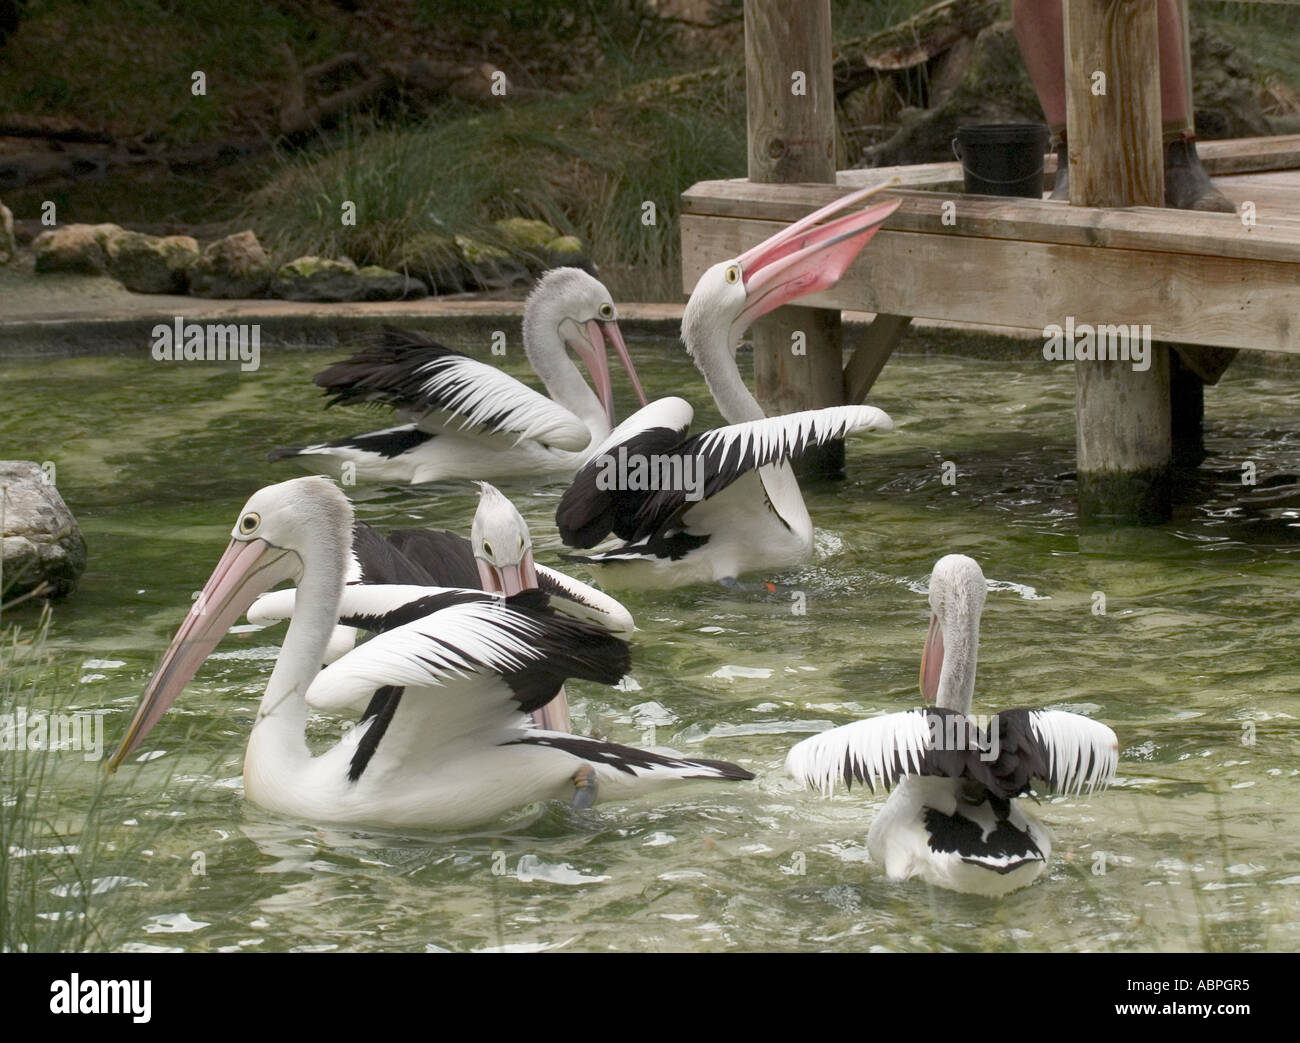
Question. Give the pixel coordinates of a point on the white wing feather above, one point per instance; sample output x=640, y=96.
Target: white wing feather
x=881, y=749
x=1082, y=754
x=471, y=395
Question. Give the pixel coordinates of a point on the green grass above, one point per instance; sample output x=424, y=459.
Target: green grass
x=48, y=852
x=586, y=165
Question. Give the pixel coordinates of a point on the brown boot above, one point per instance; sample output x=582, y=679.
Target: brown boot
x=1187, y=185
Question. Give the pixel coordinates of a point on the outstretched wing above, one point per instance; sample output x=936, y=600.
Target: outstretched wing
x=445, y=391
x=691, y=470
x=1069, y=752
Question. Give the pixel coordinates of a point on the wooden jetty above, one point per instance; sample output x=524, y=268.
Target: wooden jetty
x=1206, y=283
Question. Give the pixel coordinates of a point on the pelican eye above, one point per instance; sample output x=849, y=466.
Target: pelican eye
x=249, y=522
x=487, y=549
x=733, y=274
x=607, y=311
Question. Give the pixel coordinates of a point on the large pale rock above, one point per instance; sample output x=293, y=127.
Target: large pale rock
x=150, y=264
x=7, y=245
x=41, y=542
x=235, y=266
x=75, y=249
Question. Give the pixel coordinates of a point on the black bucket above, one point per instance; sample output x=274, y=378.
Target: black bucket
x=1002, y=159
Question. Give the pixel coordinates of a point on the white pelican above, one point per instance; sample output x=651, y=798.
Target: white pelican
x=709, y=507
x=953, y=821
x=468, y=419
x=450, y=677
x=498, y=557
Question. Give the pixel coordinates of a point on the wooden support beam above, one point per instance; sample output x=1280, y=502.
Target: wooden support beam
x=1191, y=298
x=1124, y=446
x=790, y=103
x=1186, y=413
x=1206, y=363
x=878, y=343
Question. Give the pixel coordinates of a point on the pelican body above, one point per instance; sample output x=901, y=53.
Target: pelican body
x=466, y=419
x=746, y=512
x=953, y=820
x=448, y=683
x=497, y=557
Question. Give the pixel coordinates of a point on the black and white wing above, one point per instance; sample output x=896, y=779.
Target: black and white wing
x=445, y=391
x=593, y=507
x=1069, y=752
x=590, y=510
x=470, y=666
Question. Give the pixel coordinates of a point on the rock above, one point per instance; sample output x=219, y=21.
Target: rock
x=566, y=251
x=525, y=234
x=152, y=264
x=1223, y=90
x=41, y=542
x=76, y=249
x=491, y=267
x=995, y=88
x=383, y=284
x=317, y=279
x=436, y=261
x=235, y=266
x=7, y=245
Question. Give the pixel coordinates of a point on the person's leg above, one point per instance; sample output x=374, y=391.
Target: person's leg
x=1040, y=32
x=1187, y=185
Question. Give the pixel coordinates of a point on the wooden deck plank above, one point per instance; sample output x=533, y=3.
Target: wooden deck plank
x=1272, y=202
x=1186, y=298
x=1230, y=156
x=1149, y=229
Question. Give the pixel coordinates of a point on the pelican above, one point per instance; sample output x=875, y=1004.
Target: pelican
x=953, y=820
x=710, y=507
x=467, y=419
x=497, y=557
x=451, y=677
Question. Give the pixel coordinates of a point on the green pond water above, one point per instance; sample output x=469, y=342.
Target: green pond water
x=1195, y=847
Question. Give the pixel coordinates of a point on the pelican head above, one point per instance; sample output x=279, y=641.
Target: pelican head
x=279, y=529
x=957, y=593
x=799, y=260
x=575, y=307
x=502, y=544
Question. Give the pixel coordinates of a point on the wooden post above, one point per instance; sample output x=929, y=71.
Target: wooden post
x=790, y=100
x=1117, y=159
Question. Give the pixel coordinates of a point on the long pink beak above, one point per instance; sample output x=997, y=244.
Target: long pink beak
x=246, y=569
x=615, y=335
x=807, y=257
x=508, y=579
x=511, y=579
x=592, y=352
x=932, y=661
